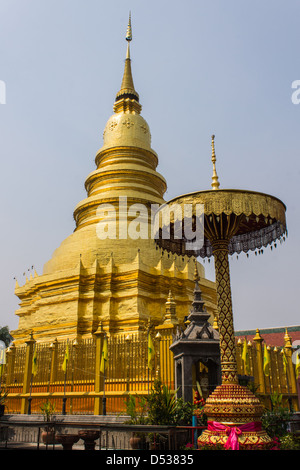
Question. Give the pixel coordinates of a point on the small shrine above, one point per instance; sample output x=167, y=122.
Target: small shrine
x=196, y=351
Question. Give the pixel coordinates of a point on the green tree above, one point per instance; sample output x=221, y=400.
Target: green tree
x=5, y=335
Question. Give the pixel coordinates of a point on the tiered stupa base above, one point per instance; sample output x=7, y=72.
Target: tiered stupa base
x=234, y=420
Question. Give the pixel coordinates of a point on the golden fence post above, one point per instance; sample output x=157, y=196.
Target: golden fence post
x=271, y=367
x=54, y=356
x=10, y=357
x=166, y=361
x=238, y=350
x=27, y=372
x=128, y=361
x=167, y=365
x=259, y=356
x=251, y=358
x=290, y=365
x=99, y=334
x=276, y=366
x=73, y=355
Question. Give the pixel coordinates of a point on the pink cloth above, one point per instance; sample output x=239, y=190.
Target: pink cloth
x=233, y=432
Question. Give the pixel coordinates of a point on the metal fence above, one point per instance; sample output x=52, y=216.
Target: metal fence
x=82, y=387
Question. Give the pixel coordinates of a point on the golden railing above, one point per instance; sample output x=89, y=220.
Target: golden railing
x=83, y=386
x=282, y=374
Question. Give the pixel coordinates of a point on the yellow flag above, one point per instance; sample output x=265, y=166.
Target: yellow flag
x=284, y=361
x=104, y=356
x=297, y=365
x=34, y=363
x=66, y=359
x=151, y=353
x=2, y=355
x=267, y=361
x=245, y=358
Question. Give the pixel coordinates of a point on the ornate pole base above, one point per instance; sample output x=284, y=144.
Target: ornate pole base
x=234, y=413
x=234, y=420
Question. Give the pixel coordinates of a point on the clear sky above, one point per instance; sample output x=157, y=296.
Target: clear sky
x=200, y=68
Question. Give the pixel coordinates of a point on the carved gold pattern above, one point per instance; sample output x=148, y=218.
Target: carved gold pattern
x=249, y=220
x=236, y=201
x=112, y=125
x=233, y=403
x=225, y=319
x=128, y=123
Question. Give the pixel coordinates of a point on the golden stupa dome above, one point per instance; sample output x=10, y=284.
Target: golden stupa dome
x=126, y=129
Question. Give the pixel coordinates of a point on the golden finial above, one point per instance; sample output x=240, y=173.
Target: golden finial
x=287, y=340
x=170, y=315
x=129, y=30
x=196, y=274
x=127, y=87
x=215, y=181
x=215, y=323
x=170, y=297
x=128, y=36
x=257, y=336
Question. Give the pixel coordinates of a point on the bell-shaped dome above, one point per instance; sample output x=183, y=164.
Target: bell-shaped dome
x=126, y=129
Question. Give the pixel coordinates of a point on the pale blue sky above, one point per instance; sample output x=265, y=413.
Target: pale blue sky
x=222, y=67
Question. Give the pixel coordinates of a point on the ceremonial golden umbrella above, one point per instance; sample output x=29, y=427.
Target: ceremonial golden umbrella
x=233, y=221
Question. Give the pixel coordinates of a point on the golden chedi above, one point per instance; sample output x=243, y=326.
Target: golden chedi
x=109, y=269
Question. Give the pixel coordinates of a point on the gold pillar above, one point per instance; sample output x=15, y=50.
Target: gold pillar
x=54, y=355
x=230, y=404
x=27, y=372
x=225, y=318
x=10, y=358
x=290, y=365
x=99, y=334
x=166, y=359
x=128, y=359
x=74, y=361
x=259, y=354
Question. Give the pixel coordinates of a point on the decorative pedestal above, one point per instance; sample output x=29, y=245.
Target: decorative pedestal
x=89, y=438
x=234, y=420
x=67, y=440
x=234, y=413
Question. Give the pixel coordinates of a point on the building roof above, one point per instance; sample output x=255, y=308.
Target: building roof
x=272, y=336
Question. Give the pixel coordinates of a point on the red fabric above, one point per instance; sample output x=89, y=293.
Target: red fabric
x=233, y=432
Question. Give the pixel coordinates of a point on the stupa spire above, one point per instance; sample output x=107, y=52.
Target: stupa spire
x=215, y=180
x=127, y=89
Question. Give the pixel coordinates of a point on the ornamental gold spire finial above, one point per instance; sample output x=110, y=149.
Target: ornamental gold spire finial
x=128, y=36
x=215, y=180
x=127, y=87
